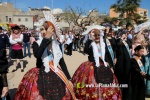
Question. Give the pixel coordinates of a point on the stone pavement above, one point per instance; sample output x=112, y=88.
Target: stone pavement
x=14, y=78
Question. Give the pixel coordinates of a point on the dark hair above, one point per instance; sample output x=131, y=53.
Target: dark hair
x=139, y=47
x=110, y=30
x=16, y=28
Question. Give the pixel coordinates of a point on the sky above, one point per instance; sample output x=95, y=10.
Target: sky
x=102, y=5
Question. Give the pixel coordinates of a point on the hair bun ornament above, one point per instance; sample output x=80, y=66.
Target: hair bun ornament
x=51, y=21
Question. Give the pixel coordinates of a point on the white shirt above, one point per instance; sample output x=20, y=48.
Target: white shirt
x=69, y=38
x=16, y=40
x=62, y=38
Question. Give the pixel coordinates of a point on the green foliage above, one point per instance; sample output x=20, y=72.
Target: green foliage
x=128, y=7
x=107, y=19
x=110, y=20
x=141, y=21
x=114, y=19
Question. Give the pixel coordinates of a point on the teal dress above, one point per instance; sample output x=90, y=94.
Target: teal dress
x=147, y=67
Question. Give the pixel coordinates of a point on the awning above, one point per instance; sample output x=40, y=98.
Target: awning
x=12, y=25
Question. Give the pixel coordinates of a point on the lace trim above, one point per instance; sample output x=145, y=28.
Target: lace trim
x=45, y=60
x=102, y=44
x=95, y=50
x=39, y=40
x=57, y=56
x=57, y=53
x=96, y=54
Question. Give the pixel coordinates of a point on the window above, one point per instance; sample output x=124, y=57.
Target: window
x=9, y=20
x=26, y=19
x=141, y=13
x=19, y=19
x=58, y=18
x=6, y=18
x=145, y=13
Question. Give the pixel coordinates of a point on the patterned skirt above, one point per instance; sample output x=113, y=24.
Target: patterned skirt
x=86, y=88
x=38, y=85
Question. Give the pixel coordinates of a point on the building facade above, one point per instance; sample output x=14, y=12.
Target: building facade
x=26, y=20
x=141, y=11
x=7, y=11
x=10, y=15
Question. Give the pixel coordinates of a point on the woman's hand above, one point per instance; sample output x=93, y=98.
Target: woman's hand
x=49, y=32
x=115, y=61
x=112, y=70
x=107, y=64
x=4, y=91
x=142, y=73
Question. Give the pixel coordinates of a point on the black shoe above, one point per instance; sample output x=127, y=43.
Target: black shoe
x=13, y=70
x=22, y=70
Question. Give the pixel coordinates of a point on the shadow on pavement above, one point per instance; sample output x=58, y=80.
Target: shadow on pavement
x=25, y=62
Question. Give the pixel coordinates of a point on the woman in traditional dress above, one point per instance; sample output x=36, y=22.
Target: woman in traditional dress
x=46, y=81
x=138, y=74
x=122, y=67
x=110, y=55
x=139, y=39
x=89, y=74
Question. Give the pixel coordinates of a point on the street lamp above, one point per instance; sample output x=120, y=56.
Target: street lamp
x=52, y=6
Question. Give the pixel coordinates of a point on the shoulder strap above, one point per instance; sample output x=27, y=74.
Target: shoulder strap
x=140, y=64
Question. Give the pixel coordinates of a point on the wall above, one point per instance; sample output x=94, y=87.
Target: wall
x=22, y=18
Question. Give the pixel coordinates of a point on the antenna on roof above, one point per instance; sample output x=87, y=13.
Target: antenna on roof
x=15, y=3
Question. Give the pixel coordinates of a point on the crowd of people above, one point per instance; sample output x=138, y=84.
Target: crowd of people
x=114, y=57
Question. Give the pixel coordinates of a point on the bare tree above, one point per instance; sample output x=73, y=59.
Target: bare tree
x=68, y=17
x=76, y=16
